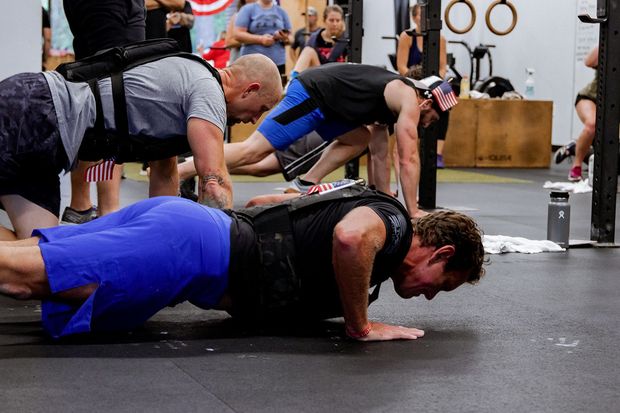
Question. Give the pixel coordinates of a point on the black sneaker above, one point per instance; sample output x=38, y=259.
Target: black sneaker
x=72, y=216
x=187, y=189
x=565, y=152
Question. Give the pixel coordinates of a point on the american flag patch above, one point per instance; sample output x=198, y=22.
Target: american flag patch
x=331, y=186
x=444, y=96
x=103, y=171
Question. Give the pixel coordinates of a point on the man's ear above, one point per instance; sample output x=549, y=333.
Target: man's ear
x=426, y=104
x=442, y=254
x=252, y=87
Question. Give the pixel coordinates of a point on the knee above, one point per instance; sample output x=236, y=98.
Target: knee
x=589, y=128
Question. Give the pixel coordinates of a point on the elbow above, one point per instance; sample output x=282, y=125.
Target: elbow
x=347, y=240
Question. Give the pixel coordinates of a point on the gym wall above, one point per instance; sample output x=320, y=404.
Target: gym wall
x=20, y=31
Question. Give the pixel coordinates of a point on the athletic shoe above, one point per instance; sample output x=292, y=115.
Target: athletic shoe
x=564, y=152
x=186, y=189
x=440, y=163
x=72, y=216
x=575, y=174
x=298, y=185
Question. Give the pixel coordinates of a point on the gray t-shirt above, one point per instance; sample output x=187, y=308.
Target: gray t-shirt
x=161, y=97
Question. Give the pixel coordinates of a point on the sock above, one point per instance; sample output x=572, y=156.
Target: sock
x=304, y=182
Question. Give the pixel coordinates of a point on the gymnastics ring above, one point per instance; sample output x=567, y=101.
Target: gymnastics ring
x=513, y=10
x=469, y=4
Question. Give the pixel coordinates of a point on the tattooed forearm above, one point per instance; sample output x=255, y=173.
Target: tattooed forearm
x=219, y=201
x=212, y=177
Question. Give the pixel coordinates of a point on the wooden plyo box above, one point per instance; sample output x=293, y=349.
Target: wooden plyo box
x=499, y=134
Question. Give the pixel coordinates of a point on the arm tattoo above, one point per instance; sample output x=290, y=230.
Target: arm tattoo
x=213, y=177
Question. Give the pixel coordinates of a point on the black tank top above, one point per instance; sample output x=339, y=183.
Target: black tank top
x=313, y=228
x=351, y=92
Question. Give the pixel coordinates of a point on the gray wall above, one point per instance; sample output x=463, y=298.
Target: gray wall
x=20, y=31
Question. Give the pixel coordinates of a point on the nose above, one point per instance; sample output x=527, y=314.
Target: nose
x=430, y=295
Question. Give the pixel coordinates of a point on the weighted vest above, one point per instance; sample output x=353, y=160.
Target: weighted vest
x=275, y=293
x=100, y=143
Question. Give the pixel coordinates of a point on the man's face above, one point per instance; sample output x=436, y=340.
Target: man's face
x=423, y=274
x=428, y=114
x=312, y=19
x=249, y=107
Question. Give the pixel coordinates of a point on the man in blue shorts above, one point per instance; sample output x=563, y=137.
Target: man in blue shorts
x=338, y=101
x=289, y=263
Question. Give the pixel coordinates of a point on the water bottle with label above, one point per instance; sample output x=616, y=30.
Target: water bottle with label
x=530, y=90
x=558, y=219
x=464, y=94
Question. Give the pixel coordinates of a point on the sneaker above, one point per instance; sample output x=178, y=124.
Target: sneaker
x=187, y=189
x=298, y=185
x=440, y=163
x=72, y=216
x=575, y=174
x=565, y=152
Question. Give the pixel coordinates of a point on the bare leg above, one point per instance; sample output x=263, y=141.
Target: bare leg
x=268, y=166
x=440, y=144
x=23, y=276
x=108, y=193
x=187, y=169
x=254, y=149
x=7, y=235
x=586, y=110
x=26, y=216
x=339, y=152
x=307, y=58
x=80, y=189
x=379, y=165
x=22, y=273
x=28, y=242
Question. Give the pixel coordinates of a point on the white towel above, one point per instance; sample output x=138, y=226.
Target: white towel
x=579, y=187
x=498, y=244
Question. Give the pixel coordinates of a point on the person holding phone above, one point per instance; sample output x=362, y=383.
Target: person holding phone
x=264, y=27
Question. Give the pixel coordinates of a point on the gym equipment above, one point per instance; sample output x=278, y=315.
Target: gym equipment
x=472, y=20
x=606, y=144
x=495, y=86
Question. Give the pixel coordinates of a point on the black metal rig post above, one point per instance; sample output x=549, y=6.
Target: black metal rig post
x=356, y=32
x=431, y=25
x=605, y=183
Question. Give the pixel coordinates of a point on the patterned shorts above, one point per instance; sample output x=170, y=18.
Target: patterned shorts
x=32, y=154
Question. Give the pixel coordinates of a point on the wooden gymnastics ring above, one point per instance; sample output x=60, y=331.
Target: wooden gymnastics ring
x=469, y=4
x=514, y=17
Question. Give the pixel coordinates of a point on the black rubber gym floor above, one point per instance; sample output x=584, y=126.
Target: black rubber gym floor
x=540, y=333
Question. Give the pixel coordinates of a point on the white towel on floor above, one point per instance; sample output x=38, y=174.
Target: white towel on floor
x=579, y=187
x=498, y=244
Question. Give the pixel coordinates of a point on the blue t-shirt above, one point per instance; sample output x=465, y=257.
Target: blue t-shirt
x=261, y=21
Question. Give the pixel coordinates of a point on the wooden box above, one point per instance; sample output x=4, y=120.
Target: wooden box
x=500, y=134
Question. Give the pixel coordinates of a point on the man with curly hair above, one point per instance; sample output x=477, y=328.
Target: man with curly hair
x=309, y=258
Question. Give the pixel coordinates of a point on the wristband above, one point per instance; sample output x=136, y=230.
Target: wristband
x=358, y=334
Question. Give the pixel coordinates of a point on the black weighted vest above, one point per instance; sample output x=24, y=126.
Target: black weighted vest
x=272, y=292
x=100, y=143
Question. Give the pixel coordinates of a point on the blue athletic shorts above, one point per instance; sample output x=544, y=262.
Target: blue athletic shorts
x=296, y=116
x=156, y=253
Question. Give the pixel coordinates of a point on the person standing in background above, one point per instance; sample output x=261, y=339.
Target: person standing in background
x=178, y=25
x=301, y=35
x=156, y=15
x=264, y=27
x=408, y=55
x=98, y=25
x=46, y=33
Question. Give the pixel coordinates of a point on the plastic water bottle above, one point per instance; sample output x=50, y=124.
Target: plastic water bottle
x=465, y=86
x=558, y=219
x=530, y=84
